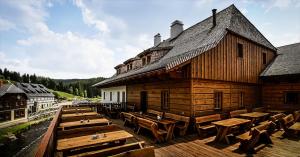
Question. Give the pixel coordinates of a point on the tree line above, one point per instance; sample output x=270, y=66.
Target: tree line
x=79, y=87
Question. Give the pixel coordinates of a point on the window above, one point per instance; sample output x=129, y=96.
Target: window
x=118, y=71
x=148, y=59
x=241, y=100
x=129, y=66
x=264, y=56
x=118, y=96
x=143, y=61
x=218, y=100
x=240, y=50
x=291, y=97
x=104, y=95
x=123, y=97
x=165, y=100
x=110, y=96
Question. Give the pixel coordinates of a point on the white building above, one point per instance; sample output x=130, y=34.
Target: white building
x=39, y=97
x=113, y=94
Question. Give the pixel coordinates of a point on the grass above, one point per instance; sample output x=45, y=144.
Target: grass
x=18, y=128
x=70, y=97
x=66, y=96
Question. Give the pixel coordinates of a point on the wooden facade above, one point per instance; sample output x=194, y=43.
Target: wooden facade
x=275, y=95
x=193, y=85
x=179, y=93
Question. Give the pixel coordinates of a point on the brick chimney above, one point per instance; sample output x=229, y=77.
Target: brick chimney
x=176, y=28
x=157, y=39
x=214, y=11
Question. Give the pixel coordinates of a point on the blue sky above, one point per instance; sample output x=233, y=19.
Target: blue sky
x=87, y=38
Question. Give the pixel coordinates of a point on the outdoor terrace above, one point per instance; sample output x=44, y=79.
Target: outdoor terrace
x=190, y=144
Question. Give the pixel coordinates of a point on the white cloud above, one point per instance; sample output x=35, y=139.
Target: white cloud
x=6, y=25
x=69, y=55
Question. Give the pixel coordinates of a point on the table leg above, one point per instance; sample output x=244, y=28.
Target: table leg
x=222, y=134
x=170, y=130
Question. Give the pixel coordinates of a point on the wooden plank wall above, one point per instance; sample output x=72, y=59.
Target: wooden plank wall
x=180, y=95
x=273, y=95
x=203, y=95
x=222, y=62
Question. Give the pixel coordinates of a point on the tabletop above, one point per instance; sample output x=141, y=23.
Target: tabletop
x=85, y=122
x=254, y=114
x=231, y=122
x=295, y=126
x=79, y=114
x=82, y=141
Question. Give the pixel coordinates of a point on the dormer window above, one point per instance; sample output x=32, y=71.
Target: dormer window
x=129, y=67
x=118, y=71
x=148, y=59
x=143, y=61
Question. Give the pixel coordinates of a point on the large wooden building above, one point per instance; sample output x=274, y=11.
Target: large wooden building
x=212, y=66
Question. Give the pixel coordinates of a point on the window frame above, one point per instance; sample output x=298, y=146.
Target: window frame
x=218, y=100
x=110, y=96
x=165, y=100
x=143, y=61
x=148, y=59
x=118, y=96
x=264, y=58
x=240, y=50
x=285, y=94
x=241, y=99
x=104, y=95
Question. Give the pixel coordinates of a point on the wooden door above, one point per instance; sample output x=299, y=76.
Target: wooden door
x=144, y=100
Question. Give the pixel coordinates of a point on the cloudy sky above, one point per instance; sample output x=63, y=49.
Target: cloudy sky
x=87, y=38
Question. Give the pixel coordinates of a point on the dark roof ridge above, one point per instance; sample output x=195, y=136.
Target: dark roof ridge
x=288, y=45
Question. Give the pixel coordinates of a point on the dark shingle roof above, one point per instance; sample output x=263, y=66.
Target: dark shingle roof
x=286, y=63
x=198, y=39
x=34, y=90
x=10, y=88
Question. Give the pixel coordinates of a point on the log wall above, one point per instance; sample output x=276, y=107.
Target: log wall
x=273, y=95
x=180, y=95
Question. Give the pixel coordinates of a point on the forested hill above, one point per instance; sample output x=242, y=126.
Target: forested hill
x=80, y=87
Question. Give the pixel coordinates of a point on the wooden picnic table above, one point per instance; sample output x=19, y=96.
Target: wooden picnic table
x=168, y=124
x=254, y=116
x=223, y=127
x=84, y=123
x=79, y=114
x=86, y=141
x=273, y=111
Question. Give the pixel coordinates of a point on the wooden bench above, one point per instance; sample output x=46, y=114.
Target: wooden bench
x=204, y=123
x=153, y=127
x=251, y=138
x=128, y=118
x=286, y=123
x=131, y=149
x=297, y=116
x=182, y=124
x=154, y=113
x=236, y=113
